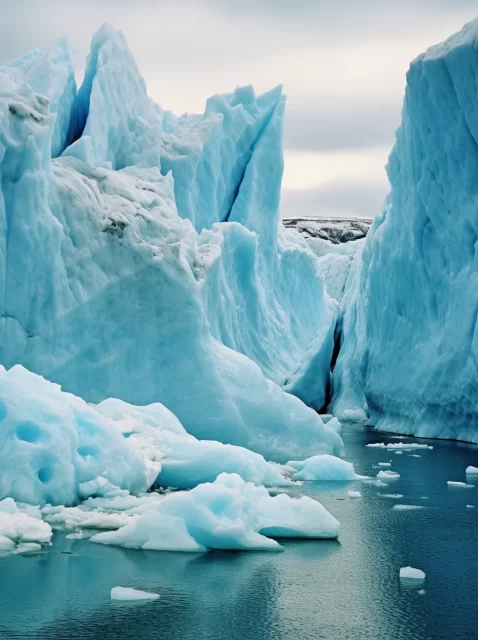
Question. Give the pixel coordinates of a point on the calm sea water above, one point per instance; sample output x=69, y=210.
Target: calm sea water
x=314, y=590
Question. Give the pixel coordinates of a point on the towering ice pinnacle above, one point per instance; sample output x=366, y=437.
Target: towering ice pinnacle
x=146, y=260
x=410, y=342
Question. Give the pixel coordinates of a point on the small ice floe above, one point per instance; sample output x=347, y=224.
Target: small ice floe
x=388, y=475
x=28, y=547
x=470, y=506
x=463, y=485
x=384, y=464
x=354, y=415
x=127, y=593
x=354, y=494
x=421, y=592
x=471, y=470
x=407, y=507
x=414, y=455
x=399, y=453
x=394, y=496
x=409, y=573
x=399, y=445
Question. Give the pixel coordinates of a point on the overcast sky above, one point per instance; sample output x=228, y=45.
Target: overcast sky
x=342, y=64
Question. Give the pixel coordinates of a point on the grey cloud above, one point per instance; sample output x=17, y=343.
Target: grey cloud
x=346, y=125
x=340, y=198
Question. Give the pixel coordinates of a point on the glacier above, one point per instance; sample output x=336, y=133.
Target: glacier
x=410, y=338
x=143, y=258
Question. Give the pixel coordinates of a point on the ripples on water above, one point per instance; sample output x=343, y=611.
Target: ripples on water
x=347, y=590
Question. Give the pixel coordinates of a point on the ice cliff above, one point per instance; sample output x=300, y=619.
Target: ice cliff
x=142, y=258
x=410, y=340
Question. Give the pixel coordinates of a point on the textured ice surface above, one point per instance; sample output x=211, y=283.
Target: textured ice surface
x=323, y=467
x=55, y=448
x=410, y=341
x=127, y=593
x=226, y=514
x=186, y=461
x=409, y=573
x=51, y=442
x=21, y=529
x=115, y=284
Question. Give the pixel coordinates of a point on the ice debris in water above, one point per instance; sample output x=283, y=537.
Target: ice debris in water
x=226, y=514
x=399, y=445
x=407, y=507
x=127, y=593
x=354, y=494
x=463, y=485
x=394, y=496
x=384, y=464
x=470, y=506
x=387, y=474
x=472, y=470
x=21, y=528
x=323, y=467
x=354, y=415
x=409, y=573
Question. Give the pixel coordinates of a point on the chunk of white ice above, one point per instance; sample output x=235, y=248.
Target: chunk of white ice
x=354, y=494
x=127, y=593
x=409, y=573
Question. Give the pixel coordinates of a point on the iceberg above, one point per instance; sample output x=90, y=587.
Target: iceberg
x=68, y=450
x=21, y=529
x=226, y=514
x=409, y=348
x=409, y=573
x=145, y=261
x=323, y=468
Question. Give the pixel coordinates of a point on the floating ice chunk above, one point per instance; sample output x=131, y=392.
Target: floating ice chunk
x=398, y=453
x=399, y=445
x=354, y=494
x=388, y=475
x=414, y=455
x=384, y=464
x=470, y=506
x=471, y=470
x=28, y=547
x=18, y=529
x=324, y=467
x=127, y=593
x=226, y=514
x=409, y=573
x=395, y=496
x=184, y=460
x=421, y=592
x=463, y=485
x=354, y=415
x=407, y=507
